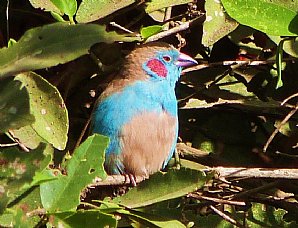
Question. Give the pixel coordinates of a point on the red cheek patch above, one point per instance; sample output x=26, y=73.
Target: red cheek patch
x=157, y=67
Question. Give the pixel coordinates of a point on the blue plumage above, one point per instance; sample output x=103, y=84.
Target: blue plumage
x=138, y=111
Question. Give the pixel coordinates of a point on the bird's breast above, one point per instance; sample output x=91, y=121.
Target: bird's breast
x=147, y=142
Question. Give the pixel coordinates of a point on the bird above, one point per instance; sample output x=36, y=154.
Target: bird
x=138, y=111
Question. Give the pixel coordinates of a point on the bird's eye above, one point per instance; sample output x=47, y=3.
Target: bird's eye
x=167, y=58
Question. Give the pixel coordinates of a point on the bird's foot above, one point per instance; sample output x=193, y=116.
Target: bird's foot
x=131, y=178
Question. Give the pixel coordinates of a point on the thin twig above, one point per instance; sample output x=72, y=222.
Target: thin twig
x=121, y=27
x=83, y=132
x=216, y=200
x=20, y=144
x=289, y=98
x=182, y=27
x=167, y=17
x=8, y=144
x=225, y=216
x=233, y=62
x=277, y=129
x=253, y=191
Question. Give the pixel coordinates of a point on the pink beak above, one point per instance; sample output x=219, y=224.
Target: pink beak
x=185, y=60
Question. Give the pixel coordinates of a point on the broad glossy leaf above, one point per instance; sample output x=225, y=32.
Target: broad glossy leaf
x=217, y=24
x=163, y=186
x=53, y=44
x=48, y=108
x=14, y=106
x=86, y=163
x=91, y=10
x=270, y=17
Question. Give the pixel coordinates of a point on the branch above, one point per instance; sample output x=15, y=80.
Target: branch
x=257, y=172
x=222, y=171
x=114, y=180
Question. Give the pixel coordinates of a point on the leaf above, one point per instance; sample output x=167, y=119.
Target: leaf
x=261, y=215
x=14, y=106
x=158, y=15
x=63, y=193
x=289, y=46
x=28, y=137
x=217, y=24
x=18, y=169
x=191, y=165
x=46, y=5
x=17, y=216
x=48, y=108
x=83, y=218
x=68, y=7
x=150, y=30
x=53, y=44
x=230, y=91
x=154, y=5
x=142, y=217
x=91, y=10
x=270, y=17
x=163, y=186
x=150, y=220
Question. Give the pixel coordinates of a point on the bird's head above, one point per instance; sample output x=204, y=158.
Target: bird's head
x=159, y=61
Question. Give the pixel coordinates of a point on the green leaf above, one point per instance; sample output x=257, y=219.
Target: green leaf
x=17, y=216
x=63, y=193
x=57, y=16
x=142, y=217
x=91, y=10
x=46, y=5
x=53, y=44
x=217, y=24
x=18, y=169
x=14, y=106
x=289, y=46
x=11, y=42
x=271, y=17
x=163, y=186
x=83, y=218
x=261, y=215
x=191, y=164
x=150, y=30
x=154, y=5
x=68, y=7
x=150, y=220
x=48, y=108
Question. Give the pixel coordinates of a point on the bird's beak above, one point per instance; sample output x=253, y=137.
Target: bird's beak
x=185, y=60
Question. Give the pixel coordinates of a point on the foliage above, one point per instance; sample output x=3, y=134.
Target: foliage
x=53, y=68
